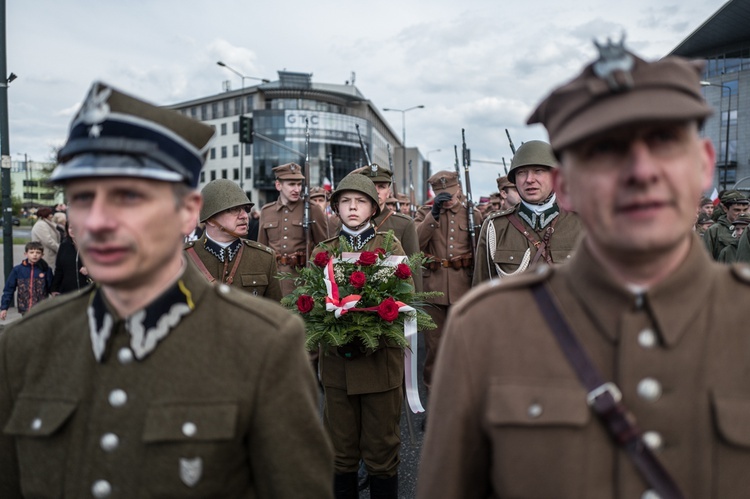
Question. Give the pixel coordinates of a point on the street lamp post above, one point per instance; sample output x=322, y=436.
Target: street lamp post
x=403, y=135
x=242, y=114
x=726, y=144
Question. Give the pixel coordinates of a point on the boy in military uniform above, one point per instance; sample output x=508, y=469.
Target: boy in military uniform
x=222, y=254
x=443, y=231
x=739, y=227
x=281, y=224
x=719, y=235
x=655, y=316
x=153, y=382
x=535, y=230
x=363, y=392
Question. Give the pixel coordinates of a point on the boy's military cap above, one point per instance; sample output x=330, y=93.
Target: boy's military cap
x=289, y=171
x=704, y=218
x=704, y=201
x=444, y=180
x=742, y=219
x=621, y=89
x=403, y=198
x=357, y=183
x=115, y=134
x=318, y=192
x=734, y=197
x=503, y=182
x=376, y=173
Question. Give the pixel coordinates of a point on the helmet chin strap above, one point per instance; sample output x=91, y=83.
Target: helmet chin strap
x=213, y=223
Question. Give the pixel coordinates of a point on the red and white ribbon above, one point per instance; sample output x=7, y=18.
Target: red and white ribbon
x=333, y=303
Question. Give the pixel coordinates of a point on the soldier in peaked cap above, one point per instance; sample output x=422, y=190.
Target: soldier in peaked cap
x=508, y=193
x=706, y=206
x=443, y=231
x=719, y=235
x=536, y=230
x=738, y=228
x=153, y=382
x=222, y=254
x=404, y=204
x=281, y=223
x=656, y=318
x=703, y=223
x=403, y=226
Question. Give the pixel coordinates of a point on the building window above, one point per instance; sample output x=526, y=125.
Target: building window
x=248, y=173
x=236, y=126
x=248, y=149
x=213, y=174
x=194, y=112
x=236, y=174
x=212, y=155
x=224, y=152
x=204, y=112
x=214, y=110
x=235, y=150
x=225, y=108
x=223, y=128
x=249, y=103
x=223, y=174
x=203, y=177
x=237, y=106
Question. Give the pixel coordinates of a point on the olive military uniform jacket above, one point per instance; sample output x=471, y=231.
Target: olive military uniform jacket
x=405, y=231
x=513, y=252
x=510, y=415
x=445, y=240
x=375, y=372
x=718, y=236
x=743, y=248
x=210, y=394
x=255, y=272
x=281, y=229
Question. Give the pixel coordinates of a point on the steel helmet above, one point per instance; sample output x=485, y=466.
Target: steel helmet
x=222, y=194
x=359, y=183
x=532, y=153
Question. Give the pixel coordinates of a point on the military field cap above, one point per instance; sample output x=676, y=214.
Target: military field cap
x=704, y=201
x=495, y=197
x=531, y=153
x=222, y=194
x=318, y=192
x=391, y=200
x=734, y=197
x=704, y=218
x=503, y=182
x=444, y=180
x=403, y=198
x=742, y=219
x=376, y=173
x=621, y=89
x=289, y=171
x=117, y=135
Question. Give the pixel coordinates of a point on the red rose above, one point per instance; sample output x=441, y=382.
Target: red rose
x=321, y=259
x=388, y=310
x=379, y=251
x=305, y=303
x=403, y=271
x=367, y=258
x=357, y=279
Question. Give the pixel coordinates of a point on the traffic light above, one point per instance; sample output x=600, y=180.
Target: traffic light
x=246, y=129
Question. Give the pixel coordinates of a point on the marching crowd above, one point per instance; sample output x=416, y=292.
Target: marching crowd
x=581, y=300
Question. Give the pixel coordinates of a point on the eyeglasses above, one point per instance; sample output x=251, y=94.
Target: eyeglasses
x=239, y=209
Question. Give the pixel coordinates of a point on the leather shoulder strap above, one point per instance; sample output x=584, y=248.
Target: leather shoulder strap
x=197, y=260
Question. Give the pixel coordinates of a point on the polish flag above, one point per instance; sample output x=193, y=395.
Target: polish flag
x=715, y=197
x=430, y=192
x=327, y=186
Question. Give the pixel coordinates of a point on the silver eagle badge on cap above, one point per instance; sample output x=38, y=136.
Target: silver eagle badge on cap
x=191, y=471
x=95, y=109
x=614, y=64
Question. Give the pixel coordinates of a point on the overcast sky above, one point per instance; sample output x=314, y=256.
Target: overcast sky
x=481, y=65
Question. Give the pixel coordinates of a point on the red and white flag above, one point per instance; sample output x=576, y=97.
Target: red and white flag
x=715, y=197
x=327, y=186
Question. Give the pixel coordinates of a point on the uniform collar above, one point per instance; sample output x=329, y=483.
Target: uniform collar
x=290, y=206
x=148, y=326
x=672, y=304
x=358, y=241
x=539, y=217
x=222, y=252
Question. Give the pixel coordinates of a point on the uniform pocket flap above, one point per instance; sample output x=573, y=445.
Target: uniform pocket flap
x=37, y=417
x=185, y=422
x=731, y=418
x=254, y=280
x=511, y=256
x=271, y=225
x=514, y=404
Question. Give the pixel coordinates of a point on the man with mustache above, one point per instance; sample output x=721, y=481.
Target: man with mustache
x=537, y=230
x=222, y=254
x=153, y=382
x=624, y=372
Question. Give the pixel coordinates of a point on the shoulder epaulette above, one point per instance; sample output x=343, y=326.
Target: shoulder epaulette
x=268, y=205
x=189, y=244
x=330, y=239
x=501, y=213
x=257, y=245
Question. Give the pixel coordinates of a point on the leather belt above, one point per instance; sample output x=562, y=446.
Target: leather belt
x=457, y=262
x=293, y=260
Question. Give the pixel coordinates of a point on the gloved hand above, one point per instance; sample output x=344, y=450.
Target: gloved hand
x=438, y=203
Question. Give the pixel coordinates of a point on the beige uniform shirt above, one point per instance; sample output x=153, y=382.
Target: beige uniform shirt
x=509, y=416
x=445, y=239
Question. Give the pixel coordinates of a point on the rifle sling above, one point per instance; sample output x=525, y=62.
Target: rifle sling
x=604, y=398
x=377, y=228
x=542, y=245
